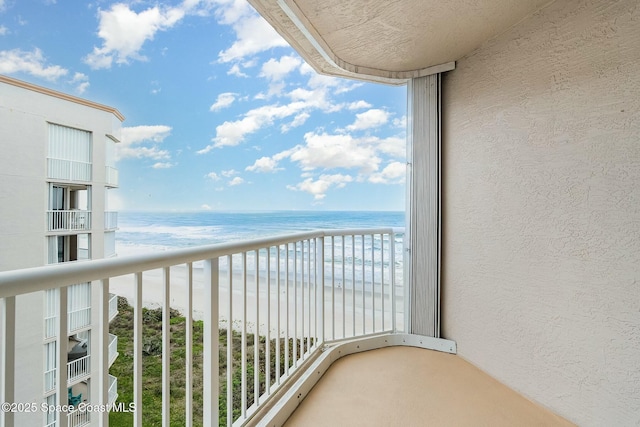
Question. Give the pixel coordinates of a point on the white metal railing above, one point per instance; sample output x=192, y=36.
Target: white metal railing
x=113, y=306
x=68, y=170
x=113, y=348
x=78, y=319
x=110, y=220
x=78, y=369
x=113, y=390
x=298, y=292
x=78, y=418
x=111, y=176
x=68, y=220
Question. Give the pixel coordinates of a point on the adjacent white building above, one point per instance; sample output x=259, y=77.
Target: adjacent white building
x=55, y=177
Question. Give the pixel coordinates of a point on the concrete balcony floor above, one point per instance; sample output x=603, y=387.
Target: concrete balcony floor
x=408, y=386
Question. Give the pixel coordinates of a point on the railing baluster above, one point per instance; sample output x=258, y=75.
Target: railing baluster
x=103, y=352
x=364, y=312
x=137, y=351
x=321, y=268
x=302, y=283
x=210, y=357
x=353, y=282
x=243, y=399
x=392, y=279
x=309, y=296
x=373, y=282
x=278, y=316
x=189, y=348
x=344, y=282
x=382, y=279
x=286, y=298
x=7, y=356
x=333, y=288
x=295, y=304
x=256, y=334
x=267, y=350
x=230, y=343
x=166, y=349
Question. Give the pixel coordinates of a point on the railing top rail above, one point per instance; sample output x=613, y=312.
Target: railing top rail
x=17, y=282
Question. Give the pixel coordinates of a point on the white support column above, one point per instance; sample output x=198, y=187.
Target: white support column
x=423, y=205
x=137, y=351
x=7, y=356
x=102, y=338
x=62, y=344
x=210, y=343
x=166, y=346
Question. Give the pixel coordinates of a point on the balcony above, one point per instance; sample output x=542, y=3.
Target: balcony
x=78, y=418
x=113, y=348
x=113, y=306
x=111, y=176
x=78, y=369
x=69, y=170
x=110, y=220
x=68, y=220
x=310, y=298
x=113, y=390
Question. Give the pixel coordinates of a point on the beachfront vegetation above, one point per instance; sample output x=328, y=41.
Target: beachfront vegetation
x=122, y=326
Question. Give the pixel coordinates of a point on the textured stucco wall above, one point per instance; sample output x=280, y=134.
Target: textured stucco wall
x=541, y=209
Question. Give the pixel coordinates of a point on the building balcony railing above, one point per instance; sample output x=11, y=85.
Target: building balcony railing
x=110, y=220
x=113, y=348
x=113, y=390
x=113, y=306
x=78, y=319
x=78, y=418
x=290, y=296
x=78, y=369
x=69, y=170
x=111, y=176
x=69, y=220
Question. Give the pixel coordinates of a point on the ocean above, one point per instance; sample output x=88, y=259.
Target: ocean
x=161, y=231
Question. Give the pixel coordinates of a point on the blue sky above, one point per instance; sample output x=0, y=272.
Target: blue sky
x=220, y=112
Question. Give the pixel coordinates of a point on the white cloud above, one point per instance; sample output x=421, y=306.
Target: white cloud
x=235, y=71
x=229, y=173
x=395, y=172
x=162, y=165
x=335, y=151
x=275, y=70
x=264, y=164
x=81, y=81
x=319, y=187
x=124, y=32
x=205, y=207
x=132, y=137
x=34, y=63
x=214, y=176
x=369, y=119
x=298, y=120
x=358, y=105
x=233, y=133
x=401, y=122
x=3, y=30
x=224, y=100
x=236, y=181
x=253, y=33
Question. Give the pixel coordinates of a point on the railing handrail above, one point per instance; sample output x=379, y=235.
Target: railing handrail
x=22, y=281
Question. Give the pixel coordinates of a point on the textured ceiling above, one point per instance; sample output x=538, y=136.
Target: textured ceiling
x=388, y=40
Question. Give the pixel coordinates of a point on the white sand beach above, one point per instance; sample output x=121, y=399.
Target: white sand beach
x=256, y=302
